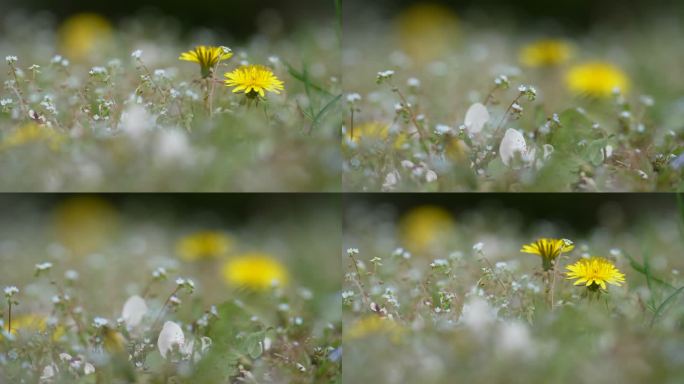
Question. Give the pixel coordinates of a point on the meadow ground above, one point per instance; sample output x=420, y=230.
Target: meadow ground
x=436, y=297
x=93, y=105
x=437, y=101
x=133, y=290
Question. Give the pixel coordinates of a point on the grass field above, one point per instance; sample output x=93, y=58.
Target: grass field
x=93, y=105
x=435, y=297
x=600, y=109
x=98, y=291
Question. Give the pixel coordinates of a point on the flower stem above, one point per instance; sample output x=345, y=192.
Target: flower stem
x=163, y=308
x=9, y=317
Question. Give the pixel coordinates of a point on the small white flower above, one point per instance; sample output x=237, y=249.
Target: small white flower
x=407, y=164
x=439, y=263
x=44, y=266
x=11, y=291
x=478, y=247
x=11, y=60
x=353, y=98
x=347, y=294
x=98, y=71
x=476, y=118
x=6, y=102
x=352, y=251
x=442, y=129
x=100, y=322
x=134, y=310
x=385, y=74
x=413, y=82
x=136, y=54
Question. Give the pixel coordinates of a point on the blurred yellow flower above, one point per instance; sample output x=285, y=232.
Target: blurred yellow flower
x=548, y=249
x=113, y=341
x=373, y=325
x=254, y=80
x=204, y=245
x=457, y=150
x=424, y=227
x=82, y=35
x=84, y=223
x=33, y=133
x=426, y=30
x=255, y=270
x=33, y=323
x=207, y=57
x=596, y=79
x=545, y=53
x=376, y=131
x=595, y=272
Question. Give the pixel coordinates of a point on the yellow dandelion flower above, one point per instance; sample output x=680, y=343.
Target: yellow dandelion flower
x=375, y=131
x=595, y=272
x=373, y=325
x=254, y=80
x=257, y=271
x=207, y=57
x=548, y=249
x=596, y=79
x=33, y=133
x=33, y=323
x=83, y=35
x=204, y=245
x=422, y=228
x=426, y=30
x=545, y=53
x=84, y=224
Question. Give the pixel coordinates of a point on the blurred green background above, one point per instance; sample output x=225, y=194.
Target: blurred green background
x=576, y=211
x=569, y=14
x=238, y=17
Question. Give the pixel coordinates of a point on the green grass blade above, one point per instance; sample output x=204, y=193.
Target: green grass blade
x=664, y=304
x=303, y=77
x=646, y=272
x=325, y=109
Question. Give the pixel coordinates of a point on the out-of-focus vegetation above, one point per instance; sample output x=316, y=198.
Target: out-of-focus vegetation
x=432, y=296
x=132, y=289
x=440, y=101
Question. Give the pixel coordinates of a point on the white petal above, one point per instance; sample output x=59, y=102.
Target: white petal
x=512, y=143
x=476, y=117
x=48, y=373
x=170, y=335
x=88, y=369
x=133, y=311
x=430, y=176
